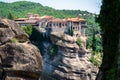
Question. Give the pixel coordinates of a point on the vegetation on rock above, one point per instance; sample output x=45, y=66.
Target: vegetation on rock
x=14, y=40
x=53, y=51
x=78, y=41
x=96, y=58
x=27, y=29
x=23, y=60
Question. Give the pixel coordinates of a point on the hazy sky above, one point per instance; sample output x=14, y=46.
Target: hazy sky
x=89, y=5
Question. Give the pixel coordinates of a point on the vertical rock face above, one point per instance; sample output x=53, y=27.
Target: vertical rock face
x=72, y=62
x=18, y=57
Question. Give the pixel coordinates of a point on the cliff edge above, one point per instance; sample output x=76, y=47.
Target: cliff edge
x=19, y=59
x=70, y=61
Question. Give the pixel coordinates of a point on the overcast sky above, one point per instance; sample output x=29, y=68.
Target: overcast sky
x=89, y=5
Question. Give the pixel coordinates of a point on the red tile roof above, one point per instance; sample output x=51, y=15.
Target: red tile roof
x=36, y=18
x=27, y=22
x=20, y=19
x=77, y=19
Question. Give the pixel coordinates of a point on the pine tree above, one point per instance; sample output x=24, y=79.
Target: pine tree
x=71, y=32
x=93, y=41
x=109, y=21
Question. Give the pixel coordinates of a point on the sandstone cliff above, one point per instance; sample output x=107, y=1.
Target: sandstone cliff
x=71, y=61
x=18, y=57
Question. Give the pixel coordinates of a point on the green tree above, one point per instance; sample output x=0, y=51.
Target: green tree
x=37, y=39
x=109, y=21
x=10, y=16
x=94, y=30
x=89, y=42
x=71, y=31
x=53, y=51
x=93, y=41
x=78, y=42
x=27, y=29
x=98, y=43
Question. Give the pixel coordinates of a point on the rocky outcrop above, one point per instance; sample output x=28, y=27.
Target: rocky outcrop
x=72, y=62
x=20, y=60
x=10, y=29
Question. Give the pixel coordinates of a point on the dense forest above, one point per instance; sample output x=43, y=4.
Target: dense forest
x=19, y=9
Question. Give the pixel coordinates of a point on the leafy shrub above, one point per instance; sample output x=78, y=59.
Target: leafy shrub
x=78, y=42
x=93, y=60
x=14, y=40
x=53, y=50
x=27, y=29
x=96, y=59
x=94, y=52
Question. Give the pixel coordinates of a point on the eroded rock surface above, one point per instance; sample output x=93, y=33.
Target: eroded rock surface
x=72, y=62
x=20, y=59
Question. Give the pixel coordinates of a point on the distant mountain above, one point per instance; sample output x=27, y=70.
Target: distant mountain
x=21, y=8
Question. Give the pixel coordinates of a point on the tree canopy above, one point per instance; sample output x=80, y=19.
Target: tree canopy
x=109, y=21
x=21, y=8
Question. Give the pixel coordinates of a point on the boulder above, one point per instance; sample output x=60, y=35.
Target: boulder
x=19, y=59
x=64, y=40
x=62, y=36
x=24, y=58
x=9, y=29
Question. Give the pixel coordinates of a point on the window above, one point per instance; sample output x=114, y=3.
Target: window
x=73, y=27
x=50, y=24
x=54, y=24
x=59, y=25
x=62, y=24
x=65, y=24
x=83, y=22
